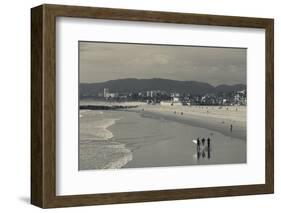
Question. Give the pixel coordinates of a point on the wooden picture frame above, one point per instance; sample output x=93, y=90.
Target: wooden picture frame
x=43, y=105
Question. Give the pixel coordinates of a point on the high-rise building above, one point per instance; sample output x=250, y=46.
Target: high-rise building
x=105, y=92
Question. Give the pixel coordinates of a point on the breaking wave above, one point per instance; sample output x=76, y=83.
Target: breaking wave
x=98, y=150
x=104, y=155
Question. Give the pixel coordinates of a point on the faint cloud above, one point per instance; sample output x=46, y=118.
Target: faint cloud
x=108, y=61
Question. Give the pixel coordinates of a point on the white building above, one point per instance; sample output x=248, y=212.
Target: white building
x=176, y=99
x=175, y=94
x=151, y=93
x=174, y=102
x=112, y=95
x=105, y=92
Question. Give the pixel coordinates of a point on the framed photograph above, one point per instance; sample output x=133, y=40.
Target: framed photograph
x=136, y=106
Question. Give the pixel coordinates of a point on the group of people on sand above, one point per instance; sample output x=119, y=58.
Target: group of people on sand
x=203, y=145
x=202, y=142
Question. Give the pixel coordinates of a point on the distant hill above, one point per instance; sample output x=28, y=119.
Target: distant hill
x=139, y=85
x=229, y=88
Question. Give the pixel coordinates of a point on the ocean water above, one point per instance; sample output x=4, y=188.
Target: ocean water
x=123, y=139
x=98, y=148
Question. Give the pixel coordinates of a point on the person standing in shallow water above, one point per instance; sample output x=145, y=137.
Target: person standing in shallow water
x=203, y=141
x=209, y=154
x=198, y=144
x=231, y=127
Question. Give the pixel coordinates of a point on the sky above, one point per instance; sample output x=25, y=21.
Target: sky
x=101, y=61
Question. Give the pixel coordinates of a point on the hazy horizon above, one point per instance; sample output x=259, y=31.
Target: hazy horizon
x=101, y=62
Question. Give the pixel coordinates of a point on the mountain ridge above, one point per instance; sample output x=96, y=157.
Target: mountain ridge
x=168, y=85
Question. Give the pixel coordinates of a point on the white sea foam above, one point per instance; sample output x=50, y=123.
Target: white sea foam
x=96, y=149
x=125, y=155
x=104, y=155
x=83, y=112
x=90, y=112
x=97, y=130
x=93, y=126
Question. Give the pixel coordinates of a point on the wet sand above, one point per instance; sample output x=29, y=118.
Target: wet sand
x=215, y=118
x=160, y=136
x=156, y=141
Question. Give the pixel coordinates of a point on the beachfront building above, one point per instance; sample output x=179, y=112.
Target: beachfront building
x=151, y=94
x=175, y=94
x=105, y=92
x=240, y=98
x=112, y=95
x=175, y=99
x=173, y=102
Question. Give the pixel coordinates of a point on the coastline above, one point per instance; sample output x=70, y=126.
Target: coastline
x=164, y=138
x=197, y=116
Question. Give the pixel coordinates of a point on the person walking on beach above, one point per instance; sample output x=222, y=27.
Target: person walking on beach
x=209, y=143
x=203, y=154
x=198, y=144
x=203, y=141
x=198, y=155
x=231, y=127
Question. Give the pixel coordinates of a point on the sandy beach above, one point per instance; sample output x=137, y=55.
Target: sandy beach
x=156, y=136
x=217, y=118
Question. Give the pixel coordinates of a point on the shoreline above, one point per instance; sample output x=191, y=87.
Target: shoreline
x=164, y=139
x=212, y=122
x=215, y=118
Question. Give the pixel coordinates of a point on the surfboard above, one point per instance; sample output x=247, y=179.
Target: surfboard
x=194, y=141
